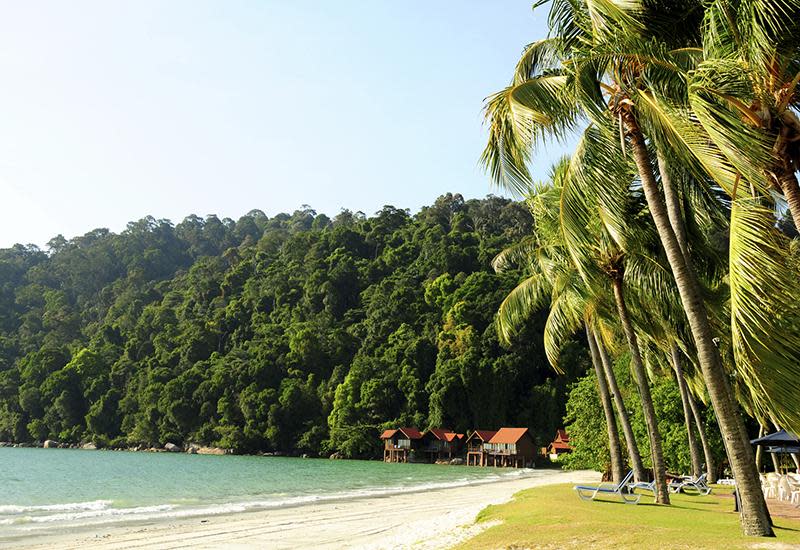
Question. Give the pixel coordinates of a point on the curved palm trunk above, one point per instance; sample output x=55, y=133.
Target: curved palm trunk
x=639, y=472
x=791, y=190
x=754, y=515
x=672, y=201
x=694, y=447
x=656, y=453
x=711, y=465
x=614, y=447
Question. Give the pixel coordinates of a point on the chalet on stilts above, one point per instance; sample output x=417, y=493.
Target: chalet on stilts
x=441, y=444
x=398, y=444
x=476, y=454
x=513, y=447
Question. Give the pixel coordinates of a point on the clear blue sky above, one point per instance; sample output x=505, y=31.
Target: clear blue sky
x=110, y=111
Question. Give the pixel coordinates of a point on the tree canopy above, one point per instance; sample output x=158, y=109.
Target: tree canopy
x=295, y=333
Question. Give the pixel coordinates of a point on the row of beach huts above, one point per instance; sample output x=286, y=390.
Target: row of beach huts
x=506, y=447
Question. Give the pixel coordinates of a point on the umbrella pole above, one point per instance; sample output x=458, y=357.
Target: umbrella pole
x=775, y=462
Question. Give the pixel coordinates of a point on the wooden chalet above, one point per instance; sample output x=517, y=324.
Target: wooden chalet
x=559, y=445
x=398, y=444
x=441, y=444
x=513, y=447
x=476, y=454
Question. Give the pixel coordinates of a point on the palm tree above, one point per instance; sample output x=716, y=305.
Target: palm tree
x=630, y=441
x=601, y=265
x=745, y=91
x=600, y=64
x=614, y=447
x=551, y=281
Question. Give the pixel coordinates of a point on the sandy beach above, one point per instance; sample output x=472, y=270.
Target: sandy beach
x=430, y=519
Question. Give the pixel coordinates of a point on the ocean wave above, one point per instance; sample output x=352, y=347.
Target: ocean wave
x=67, y=517
x=11, y=509
x=34, y=518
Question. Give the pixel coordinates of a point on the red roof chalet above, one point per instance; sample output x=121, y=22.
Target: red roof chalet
x=560, y=444
x=440, y=444
x=399, y=443
x=510, y=447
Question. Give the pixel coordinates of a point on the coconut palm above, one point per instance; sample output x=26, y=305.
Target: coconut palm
x=745, y=91
x=614, y=446
x=633, y=448
x=600, y=265
x=600, y=65
x=551, y=282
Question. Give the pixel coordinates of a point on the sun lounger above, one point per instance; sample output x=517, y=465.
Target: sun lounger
x=643, y=485
x=699, y=485
x=620, y=490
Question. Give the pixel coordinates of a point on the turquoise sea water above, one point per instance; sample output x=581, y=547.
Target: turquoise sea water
x=44, y=490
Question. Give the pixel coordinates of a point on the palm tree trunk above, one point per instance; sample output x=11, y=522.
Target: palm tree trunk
x=639, y=472
x=656, y=453
x=614, y=447
x=754, y=515
x=672, y=200
x=678, y=223
x=791, y=190
x=694, y=447
x=711, y=466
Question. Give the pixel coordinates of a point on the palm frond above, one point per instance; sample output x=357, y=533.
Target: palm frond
x=765, y=312
x=527, y=297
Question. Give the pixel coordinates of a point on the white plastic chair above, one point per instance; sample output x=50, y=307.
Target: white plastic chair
x=788, y=490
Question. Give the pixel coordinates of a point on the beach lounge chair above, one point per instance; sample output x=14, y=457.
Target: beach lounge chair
x=620, y=490
x=644, y=486
x=699, y=485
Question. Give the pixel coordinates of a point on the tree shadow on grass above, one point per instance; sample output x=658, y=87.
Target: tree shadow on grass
x=787, y=529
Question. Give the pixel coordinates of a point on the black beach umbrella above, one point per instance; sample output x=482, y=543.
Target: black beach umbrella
x=784, y=449
x=780, y=438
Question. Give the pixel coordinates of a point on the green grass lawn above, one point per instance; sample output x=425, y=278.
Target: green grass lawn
x=554, y=517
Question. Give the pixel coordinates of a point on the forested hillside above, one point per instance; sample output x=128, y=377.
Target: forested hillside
x=293, y=333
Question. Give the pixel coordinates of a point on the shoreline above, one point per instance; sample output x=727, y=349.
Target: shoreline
x=427, y=518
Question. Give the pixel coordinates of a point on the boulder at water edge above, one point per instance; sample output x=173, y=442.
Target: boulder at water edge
x=50, y=444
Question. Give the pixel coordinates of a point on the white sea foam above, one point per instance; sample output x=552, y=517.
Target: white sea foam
x=11, y=509
x=36, y=518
